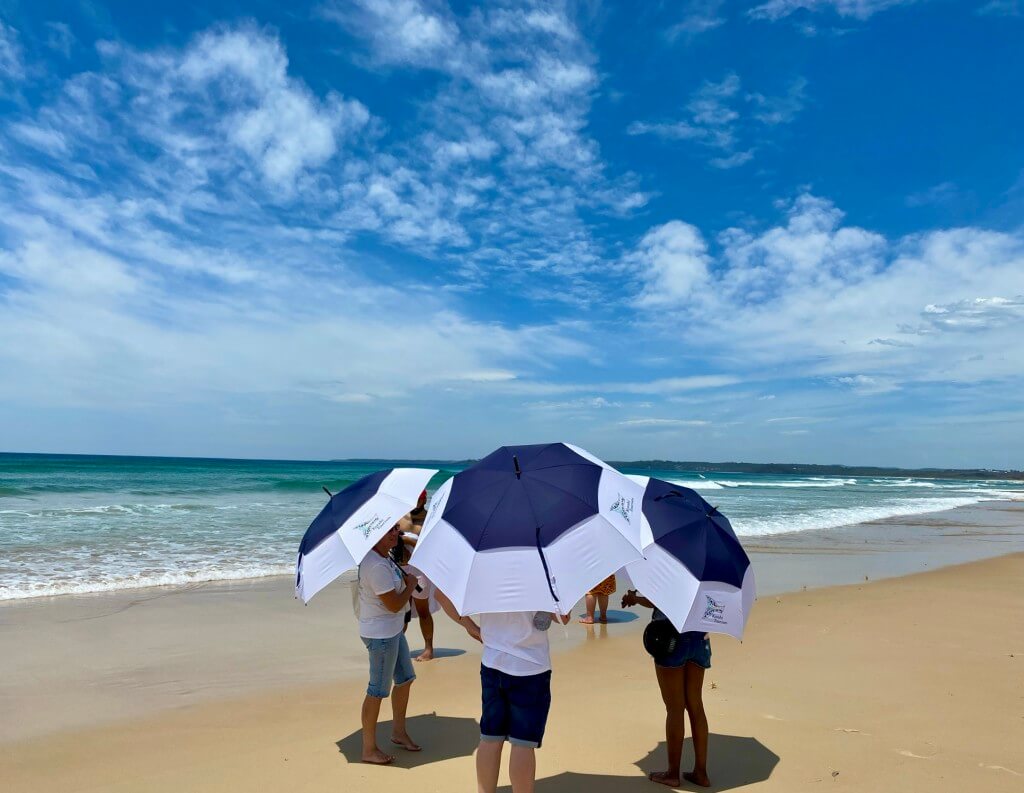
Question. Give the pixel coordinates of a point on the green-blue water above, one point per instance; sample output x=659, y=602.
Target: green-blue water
x=85, y=524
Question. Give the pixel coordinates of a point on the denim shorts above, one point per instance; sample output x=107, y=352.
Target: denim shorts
x=691, y=646
x=389, y=661
x=514, y=707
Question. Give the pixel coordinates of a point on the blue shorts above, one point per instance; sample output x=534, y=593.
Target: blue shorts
x=389, y=660
x=691, y=646
x=514, y=707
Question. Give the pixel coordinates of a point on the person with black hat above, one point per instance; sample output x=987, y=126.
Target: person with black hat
x=680, y=660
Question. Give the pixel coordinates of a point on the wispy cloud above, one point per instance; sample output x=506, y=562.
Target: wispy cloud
x=666, y=424
x=855, y=9
x=715, y=118
x=699, y=16
x=1002, y=8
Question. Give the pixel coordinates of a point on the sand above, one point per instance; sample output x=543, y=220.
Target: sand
x=908, y=684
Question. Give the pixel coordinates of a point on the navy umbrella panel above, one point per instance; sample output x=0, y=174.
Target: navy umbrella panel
x=694, y=568
x=528, y=528
x=352, y=522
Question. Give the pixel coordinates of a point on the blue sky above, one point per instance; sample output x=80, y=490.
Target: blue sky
x=788, y=231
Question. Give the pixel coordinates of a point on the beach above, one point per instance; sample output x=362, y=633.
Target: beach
x=911, y=682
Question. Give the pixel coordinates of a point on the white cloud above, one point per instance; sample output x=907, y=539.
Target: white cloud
x=279, y=123
x=825, y=300
x=400, y=31
x=673, y=261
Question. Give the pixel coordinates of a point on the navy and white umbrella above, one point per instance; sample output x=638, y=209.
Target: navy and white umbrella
x=353, y=522
x=694, y=568
x=528, y=528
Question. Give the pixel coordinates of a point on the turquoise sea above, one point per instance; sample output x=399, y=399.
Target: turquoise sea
x=73, y=524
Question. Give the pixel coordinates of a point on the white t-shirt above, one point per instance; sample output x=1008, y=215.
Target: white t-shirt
x=378, y=576
x=512, y=645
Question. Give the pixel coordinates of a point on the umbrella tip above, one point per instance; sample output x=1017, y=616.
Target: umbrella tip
x=328, y=492
x=515, y=462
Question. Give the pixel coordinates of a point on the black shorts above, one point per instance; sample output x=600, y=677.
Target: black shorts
x=514, y=708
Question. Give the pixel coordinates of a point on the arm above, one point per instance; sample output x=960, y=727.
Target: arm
x=395, y=601
x=466, y=622
x=631, y=598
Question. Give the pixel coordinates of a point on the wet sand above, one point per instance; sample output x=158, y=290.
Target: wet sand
x=904, y=684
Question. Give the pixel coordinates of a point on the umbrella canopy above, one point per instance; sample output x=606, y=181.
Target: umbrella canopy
x=352, y=522
x=528, y=528
x=694, y=568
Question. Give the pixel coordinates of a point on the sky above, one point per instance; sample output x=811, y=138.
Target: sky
x=788, y=231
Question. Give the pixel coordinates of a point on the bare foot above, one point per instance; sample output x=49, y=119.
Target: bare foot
x=664, y=778
x=586, y=620
x=426, y=655
x=377, y=757
x=604, y=619
x=406, y=743
x=700, y=779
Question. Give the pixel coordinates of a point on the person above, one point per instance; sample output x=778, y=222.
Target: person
x=681, y=680
x=599, y=596
x=515, y=688
x=423, y=598
x=384, y=595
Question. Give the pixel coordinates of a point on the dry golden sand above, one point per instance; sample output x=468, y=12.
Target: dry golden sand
x=909, y=684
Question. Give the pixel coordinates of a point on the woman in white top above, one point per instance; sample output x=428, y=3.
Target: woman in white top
x=384, y=594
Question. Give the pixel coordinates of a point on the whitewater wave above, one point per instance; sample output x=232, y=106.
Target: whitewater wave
x=113, y=582
x=832, y=518
x=815, y=482
x=696, y=484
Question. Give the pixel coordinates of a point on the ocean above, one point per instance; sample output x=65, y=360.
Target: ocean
x=76, y=524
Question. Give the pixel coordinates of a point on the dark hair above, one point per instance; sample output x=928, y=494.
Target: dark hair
x=398, y=553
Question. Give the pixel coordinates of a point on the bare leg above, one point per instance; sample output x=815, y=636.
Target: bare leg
x=426, y=628
x=693, y=683
x=589, y=618
x=399, y=706
x=670, y=681
x=371, y=752
x=522, y=768
x=602, y=602
x=488, y=762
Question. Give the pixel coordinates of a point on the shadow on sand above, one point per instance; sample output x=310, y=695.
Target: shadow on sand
x=440, y=652
x=734, y=761
x=442, y=738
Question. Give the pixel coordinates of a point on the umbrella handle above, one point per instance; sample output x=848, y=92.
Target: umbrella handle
x=547, y=573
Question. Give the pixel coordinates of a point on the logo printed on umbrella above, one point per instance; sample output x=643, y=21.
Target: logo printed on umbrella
x=368, y=527
x=624, y=506
x=713, y=611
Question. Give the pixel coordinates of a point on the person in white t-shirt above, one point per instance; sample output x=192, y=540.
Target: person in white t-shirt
x=384, y=594
x=515, y=682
